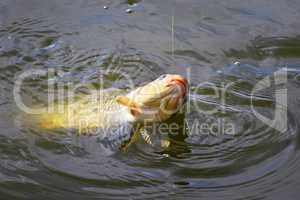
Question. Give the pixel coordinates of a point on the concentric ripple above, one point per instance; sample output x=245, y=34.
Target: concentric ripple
x=234, y=54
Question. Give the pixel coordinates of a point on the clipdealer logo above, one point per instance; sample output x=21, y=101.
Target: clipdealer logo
x=278, y=80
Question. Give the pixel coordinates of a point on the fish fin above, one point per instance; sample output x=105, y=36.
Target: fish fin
x=147, y=137
x=133, y=106
x=165, y=143
x=125, y=101
x=134, y=137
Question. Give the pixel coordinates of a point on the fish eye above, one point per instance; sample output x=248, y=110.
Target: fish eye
x=162, y=77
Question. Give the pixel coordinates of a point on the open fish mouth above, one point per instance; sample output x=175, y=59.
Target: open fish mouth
x=158, y=99
x=181, y=83
x=175, y=88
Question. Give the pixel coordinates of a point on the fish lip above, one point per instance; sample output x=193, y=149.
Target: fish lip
x=182, y=82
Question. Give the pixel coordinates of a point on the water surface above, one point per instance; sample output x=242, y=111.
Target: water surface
x=231, y=45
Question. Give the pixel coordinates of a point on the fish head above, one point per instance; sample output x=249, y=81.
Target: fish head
x=157, y=100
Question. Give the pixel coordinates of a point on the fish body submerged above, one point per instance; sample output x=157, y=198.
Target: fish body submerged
x=153, y=102
x=96, y=110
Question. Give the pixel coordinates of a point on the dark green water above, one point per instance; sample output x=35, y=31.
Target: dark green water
x=225, y=48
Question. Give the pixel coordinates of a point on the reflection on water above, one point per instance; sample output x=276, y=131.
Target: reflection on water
x=260, y=48
x=225, y=48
